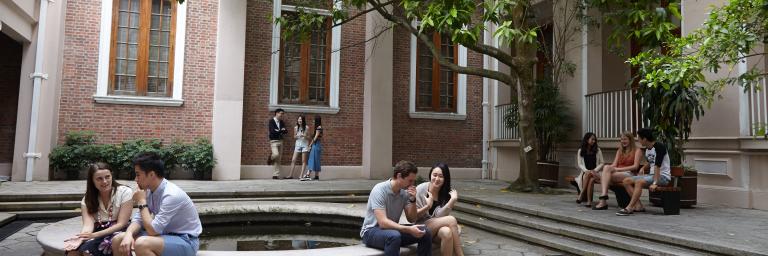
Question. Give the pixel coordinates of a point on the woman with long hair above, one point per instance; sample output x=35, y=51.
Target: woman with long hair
x=434, y=201
x=301, y=147
x=590, y=162
x=315, y=151
x=106, y=209
x=626, y=162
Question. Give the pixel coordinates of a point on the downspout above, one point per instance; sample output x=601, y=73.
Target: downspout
x=486, y=120
x=38, y=77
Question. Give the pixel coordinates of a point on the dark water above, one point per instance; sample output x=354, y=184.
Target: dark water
x=277, y=236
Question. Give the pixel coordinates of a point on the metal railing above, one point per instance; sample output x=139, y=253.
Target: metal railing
x=613, y=112
x=501, y=132
x=758, y=105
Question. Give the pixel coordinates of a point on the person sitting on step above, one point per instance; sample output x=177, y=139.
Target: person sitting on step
x=627, y=161
x=435, y=200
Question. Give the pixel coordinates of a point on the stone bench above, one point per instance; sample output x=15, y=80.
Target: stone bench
x=51, y=237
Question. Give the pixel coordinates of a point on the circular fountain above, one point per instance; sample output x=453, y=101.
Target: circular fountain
x=259, y=228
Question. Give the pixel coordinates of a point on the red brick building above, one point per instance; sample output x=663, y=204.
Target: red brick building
x=130, y=69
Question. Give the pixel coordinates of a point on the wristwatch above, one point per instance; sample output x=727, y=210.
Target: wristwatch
x=412, y=200
x=654, y=183
x=141, y=206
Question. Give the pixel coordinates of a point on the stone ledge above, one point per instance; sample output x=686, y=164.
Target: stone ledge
x=51, y=238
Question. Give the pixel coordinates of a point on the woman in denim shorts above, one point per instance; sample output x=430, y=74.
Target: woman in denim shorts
x=302, y=146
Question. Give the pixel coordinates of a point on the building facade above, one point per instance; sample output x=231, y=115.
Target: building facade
x=130, y=69
x=133, y=69
x=730, y=160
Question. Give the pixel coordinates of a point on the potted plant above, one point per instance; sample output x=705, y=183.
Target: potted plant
x=671, y=110
x=552, y=122
x=199, y=159
x=73, y=156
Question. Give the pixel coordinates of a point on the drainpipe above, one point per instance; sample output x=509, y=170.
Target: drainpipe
x=38, y=77
x=487, y=40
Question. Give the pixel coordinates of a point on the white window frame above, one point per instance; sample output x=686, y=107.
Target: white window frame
x=461, y=90
x=333, y=101
x=102, y=82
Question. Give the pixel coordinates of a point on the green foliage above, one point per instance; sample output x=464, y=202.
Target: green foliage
x=80, y=149
x=759, y=130
x=646, y=22
x=552, y=119
x=198, y=157
x=675, y=90
x=419, y=180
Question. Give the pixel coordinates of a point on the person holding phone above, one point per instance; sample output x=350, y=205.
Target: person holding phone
x=434, y=201
x=386, y=203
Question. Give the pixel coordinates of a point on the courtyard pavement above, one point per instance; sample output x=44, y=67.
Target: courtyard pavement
x=744, y=229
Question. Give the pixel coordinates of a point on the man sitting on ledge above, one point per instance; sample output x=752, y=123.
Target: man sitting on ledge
x=388, y=199
x=167, y=218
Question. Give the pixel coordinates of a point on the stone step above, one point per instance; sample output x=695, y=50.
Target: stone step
x=627, y=231
x=554, y=241
x=609, y=239
x=69, y=205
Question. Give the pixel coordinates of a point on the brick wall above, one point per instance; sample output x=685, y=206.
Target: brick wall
x=116, y=123
x=426, y=141
x=10, y=73
x=343, y=131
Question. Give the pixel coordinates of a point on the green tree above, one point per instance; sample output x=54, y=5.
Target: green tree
x=515, y=23
x=675, y=90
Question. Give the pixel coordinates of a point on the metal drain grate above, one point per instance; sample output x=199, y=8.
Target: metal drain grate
x=13, y=227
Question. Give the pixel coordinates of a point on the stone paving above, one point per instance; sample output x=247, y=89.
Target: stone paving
x=744, y=229
x=23, y=243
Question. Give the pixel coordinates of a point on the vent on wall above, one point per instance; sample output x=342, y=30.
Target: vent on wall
x=711, y=166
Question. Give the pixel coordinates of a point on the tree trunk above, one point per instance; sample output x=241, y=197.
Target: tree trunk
x=528, y=179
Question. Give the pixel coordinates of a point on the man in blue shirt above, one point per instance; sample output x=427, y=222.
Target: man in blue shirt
x=167, y=222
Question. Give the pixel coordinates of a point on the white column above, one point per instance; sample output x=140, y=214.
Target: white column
x=377, y=106
x=228, y=89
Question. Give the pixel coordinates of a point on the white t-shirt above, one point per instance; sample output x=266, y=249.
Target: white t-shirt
x=122, y=195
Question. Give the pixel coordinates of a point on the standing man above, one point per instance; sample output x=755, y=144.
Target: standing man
x=276, y=131
x=386, y=203
x=167, y=222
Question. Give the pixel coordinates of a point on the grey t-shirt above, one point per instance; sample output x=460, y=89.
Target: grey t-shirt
x=382, y=197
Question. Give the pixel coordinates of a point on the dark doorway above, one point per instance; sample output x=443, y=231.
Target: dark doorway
x=10, y=75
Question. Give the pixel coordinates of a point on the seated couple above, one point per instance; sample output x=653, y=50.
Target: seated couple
x=624, y=169
x=427, y=205
x=166, y=222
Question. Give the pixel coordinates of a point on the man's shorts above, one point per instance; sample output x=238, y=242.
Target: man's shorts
x=180, y=244
x=649, y=180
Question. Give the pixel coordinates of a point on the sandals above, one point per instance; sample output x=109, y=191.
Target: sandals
x=624, y=212
x=605, y=206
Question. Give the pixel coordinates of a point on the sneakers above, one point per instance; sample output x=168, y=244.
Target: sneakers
x=305, y=178
x=316, y=177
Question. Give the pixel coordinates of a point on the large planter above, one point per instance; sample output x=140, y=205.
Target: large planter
x=548, y=173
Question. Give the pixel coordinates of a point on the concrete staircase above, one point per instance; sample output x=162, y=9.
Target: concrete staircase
x=580, y=237
x=559, y=232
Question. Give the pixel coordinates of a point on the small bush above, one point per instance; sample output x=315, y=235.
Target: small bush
x=79, y=150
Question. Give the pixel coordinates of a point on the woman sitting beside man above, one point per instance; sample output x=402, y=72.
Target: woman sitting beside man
x=106, y=209
x=625, y=164
x=434, y=201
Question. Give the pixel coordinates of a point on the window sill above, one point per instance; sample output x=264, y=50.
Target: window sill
x=305, y=109
x=147, y=101
x=437, y=115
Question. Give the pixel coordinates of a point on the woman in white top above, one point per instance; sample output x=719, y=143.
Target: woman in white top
x=434, y=202
x=590, y=162
x=302, y=146
x=106, y=209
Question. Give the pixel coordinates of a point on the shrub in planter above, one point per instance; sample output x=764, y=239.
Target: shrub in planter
x=198, y=158
x=129, y=149
x=75, y=155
